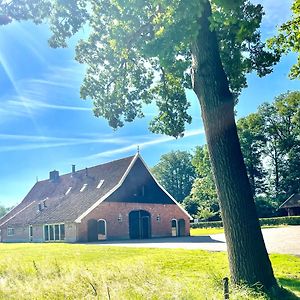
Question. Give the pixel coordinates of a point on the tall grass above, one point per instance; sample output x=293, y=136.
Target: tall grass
x=59, y=271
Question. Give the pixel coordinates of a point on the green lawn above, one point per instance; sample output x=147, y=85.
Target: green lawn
x=71, y=271
x=206, y=231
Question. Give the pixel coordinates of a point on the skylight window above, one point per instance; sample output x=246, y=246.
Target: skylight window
x=100, y=184
x=68, y=191
x=83, y=187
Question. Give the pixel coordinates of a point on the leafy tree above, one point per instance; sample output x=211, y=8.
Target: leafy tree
x=281, y=130
x=252, y=139
x=204, y=190
x=191, y=205
x=288, y=40
x=3, y=210
x=140, y=50
x=176, y=173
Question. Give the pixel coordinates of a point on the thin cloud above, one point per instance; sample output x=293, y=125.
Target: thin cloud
x=143, y=145
x=29, y=142
x=33, y=104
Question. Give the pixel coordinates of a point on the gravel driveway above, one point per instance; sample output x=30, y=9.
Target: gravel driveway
x=285, y=240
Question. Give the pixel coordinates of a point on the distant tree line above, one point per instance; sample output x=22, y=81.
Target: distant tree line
x=270, y=142
x=4, y=210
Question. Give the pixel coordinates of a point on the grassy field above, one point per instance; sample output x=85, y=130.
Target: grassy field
x=205, y=231
x=70, y=271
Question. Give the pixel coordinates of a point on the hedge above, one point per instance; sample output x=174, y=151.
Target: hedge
x=292, y=220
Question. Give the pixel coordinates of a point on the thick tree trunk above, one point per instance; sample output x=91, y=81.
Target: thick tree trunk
x=248, y=258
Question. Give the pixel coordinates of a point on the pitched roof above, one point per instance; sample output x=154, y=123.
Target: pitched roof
x=62, y=206
x=73, y=196
x=292, y=201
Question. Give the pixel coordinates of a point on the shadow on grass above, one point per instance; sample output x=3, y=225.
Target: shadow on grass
x=293, y=284
x=284, y=295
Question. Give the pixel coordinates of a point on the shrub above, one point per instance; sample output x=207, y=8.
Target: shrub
x=291, y=220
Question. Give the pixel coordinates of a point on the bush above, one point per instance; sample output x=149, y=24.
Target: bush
x=295, y=220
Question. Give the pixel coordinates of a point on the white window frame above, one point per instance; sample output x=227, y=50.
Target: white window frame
x=68, y=191
x=102, y=237
x=59, y=233
x=30, y=228
x=100, y=183
x=173, y=227
x=83, y=187
x=10, y=231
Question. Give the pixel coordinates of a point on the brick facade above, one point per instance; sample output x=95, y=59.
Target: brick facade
x=161, y=217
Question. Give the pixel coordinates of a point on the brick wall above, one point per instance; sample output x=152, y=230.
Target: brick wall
x=110, y=211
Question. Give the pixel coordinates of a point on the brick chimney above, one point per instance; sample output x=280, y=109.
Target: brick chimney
x=54, y=175
x=73, y=169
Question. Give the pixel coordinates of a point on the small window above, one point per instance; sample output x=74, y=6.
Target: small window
x=46, y=232
x=100, y=184
x=10, y=231
x=51, y=232
x=83, y=187
x=40, y=207
x=44, y=203
x=30, y=231
x=68, y=191
x=56, y=232
x=62, y=231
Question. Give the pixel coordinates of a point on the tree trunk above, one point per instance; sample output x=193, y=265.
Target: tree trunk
x=248, y=258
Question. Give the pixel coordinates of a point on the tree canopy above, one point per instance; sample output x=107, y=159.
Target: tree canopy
x=138, y=51
x=287, y=39
x=176, y=173
x=3, y=210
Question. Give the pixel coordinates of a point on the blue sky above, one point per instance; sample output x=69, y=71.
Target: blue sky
x=44, y=125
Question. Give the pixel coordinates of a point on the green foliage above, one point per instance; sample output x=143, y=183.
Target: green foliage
x=203, y=201
x=266, y=207
x=66, y=271
x=252, y=140
x=4, y=210
x=270, y=143
x=138, y=51
x=282, y=133
x=176, y=173
x=288, y=40
x=290, y=220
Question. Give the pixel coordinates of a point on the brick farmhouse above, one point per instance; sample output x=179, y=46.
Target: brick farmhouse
x=116, y=200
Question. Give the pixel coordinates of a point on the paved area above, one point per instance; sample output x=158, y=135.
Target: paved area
x=285, y=240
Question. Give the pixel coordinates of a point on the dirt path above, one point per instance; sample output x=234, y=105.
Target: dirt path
x=285, y=240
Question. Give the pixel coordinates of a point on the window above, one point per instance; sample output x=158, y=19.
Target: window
x=10, y=231
x=30, y=232
x=46, y=232
x=101, y=229
x=83, y=187
x=100, y=184
x=51, y=233
x=62, y=231
x=54, y=232
x=68, y=191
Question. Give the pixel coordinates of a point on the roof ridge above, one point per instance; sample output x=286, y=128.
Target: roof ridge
x=82, y=170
